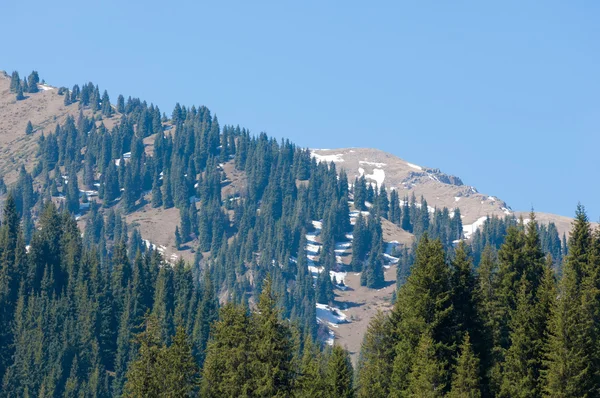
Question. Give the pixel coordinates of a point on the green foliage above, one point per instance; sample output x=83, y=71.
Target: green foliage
x=29, y=128
x=71, y=306
x=339, y=374
x=426, y=378
x=466, y=380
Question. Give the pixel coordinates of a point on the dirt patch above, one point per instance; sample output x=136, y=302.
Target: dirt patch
x=158, y=226
x=392, y=232
x=236, y=182
x=360, y=304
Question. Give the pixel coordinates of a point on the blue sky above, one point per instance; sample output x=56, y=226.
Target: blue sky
x=505, y=95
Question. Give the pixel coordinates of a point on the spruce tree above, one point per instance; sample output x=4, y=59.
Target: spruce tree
x=29, y=128
x=569, y=348
x=427, y=376
x=227, y=368
x=180, y=370
x=466, y=382
x=178, y=239
x=20, y=95
x=425, y=308
x=15, y=82
x=106, y=107
x=273, y=353
x=121, y=104
x=339, y=374
x=310, y=381
x=32, y=82
x=144, y=377
x=376, y=358
x=521, y=368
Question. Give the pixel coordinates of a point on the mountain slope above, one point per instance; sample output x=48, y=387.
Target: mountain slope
x=157, y=225
x=439, y=189
x=44, y=109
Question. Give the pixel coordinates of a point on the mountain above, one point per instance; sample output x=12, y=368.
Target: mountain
x=438, y=188
x=140, y=141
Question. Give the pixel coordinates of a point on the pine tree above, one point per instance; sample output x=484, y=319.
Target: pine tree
x=427, y=376
x=340, y=374
x=20, y=95
x=180, y=371
x=144, y=377
x=178, y=239
x=271, y=367
x=311, y=379
x=32, y=82
x=15, y=82
x=121, y=104
x=567, y=370
x=466, y=382
x=227, y=368
x=523, y=358
x=376, y=358
x=106, y=107
x=465, y=299
x=424, y=306
x=29, y=128
x=207, y=314
x=167, y=191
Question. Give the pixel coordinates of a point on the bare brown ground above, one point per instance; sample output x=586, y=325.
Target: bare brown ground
x=44, y=109
x=360, y=304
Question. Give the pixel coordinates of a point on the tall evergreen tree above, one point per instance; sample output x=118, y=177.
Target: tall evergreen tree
x=271, y=367
x=568, y=350
x=466, y=380
x=427, y=376
x=339, y=374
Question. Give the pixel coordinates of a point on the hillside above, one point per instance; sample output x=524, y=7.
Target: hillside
x=44, y=109
x=439, y=189
x=352, y=306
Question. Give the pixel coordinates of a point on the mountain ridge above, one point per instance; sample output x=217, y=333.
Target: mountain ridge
x=438, y=188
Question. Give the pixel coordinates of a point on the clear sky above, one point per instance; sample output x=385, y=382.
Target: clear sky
x=505, y=95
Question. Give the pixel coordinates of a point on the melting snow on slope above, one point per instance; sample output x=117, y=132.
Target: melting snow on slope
x=45, y=87
x=468, y=230
x=328, y=158
x=339, y=276
x=378, y=176
x=333, y=316
x=414, y=166
x=380, y=165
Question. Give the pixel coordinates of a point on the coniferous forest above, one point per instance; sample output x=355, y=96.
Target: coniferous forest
x=88, y=308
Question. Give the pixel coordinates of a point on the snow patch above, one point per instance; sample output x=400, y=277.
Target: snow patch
x=379, y=165
x=414, y=166
x=332, y=316
x=469, y=230
x=328, y=158
x=378, y=176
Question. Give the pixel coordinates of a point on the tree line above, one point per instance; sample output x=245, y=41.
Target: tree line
x=508, y=328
